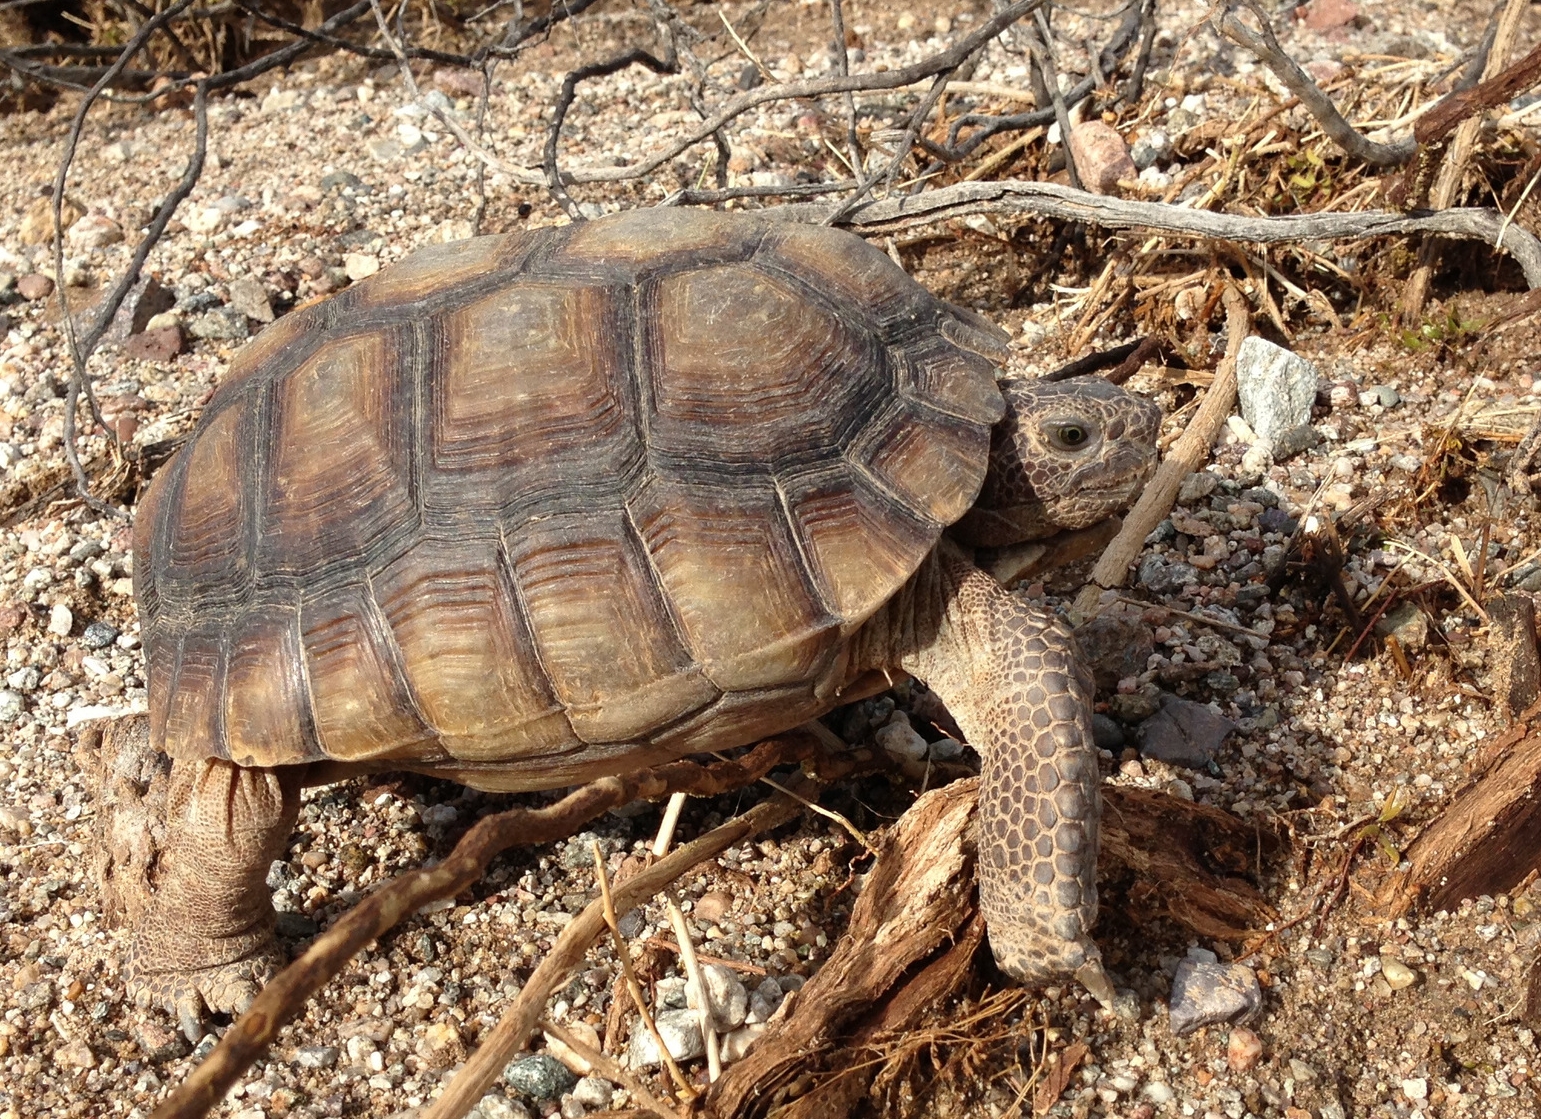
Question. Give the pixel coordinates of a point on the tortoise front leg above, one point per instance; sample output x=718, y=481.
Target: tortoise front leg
x=199, y=906
x=1009, y=675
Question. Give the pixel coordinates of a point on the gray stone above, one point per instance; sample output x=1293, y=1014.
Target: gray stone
x=737, y=1043
x=901, y=739
x=727, y=999
x=1106, y=734
x=337, y=180
x=1184, y=733
x=296, y=926
x=681, y=1032
x=12, y=704
x=539, y=1076
x=1384, y=395
x=1206, y=994
x=1196, y=487
x=1407, y=623
x=764, y=1000
x=1276, y=387
x=316, y=1056
x=98, y=635
x=223, y=324
x=1296, y=440
x=1277, y=520
x=1150, y=149
x=1115, y=647
x=1135, y=707
x=1162, y=576
x=248, y=296
x=144, y=301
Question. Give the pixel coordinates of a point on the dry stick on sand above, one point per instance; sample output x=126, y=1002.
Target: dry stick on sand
x=623, y=954
x=381, y=911
x=1051, y=200
x=1453, y=169
x=1187, y=455
x=511, y=1033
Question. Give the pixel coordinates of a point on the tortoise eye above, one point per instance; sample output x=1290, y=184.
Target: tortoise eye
x=1069, y=436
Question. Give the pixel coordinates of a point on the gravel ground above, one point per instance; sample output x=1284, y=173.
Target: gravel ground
x=329, y=173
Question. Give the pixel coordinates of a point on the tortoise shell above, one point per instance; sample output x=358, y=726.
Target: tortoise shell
x=542, y=501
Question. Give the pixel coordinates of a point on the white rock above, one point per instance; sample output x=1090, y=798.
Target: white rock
x=737, y=1043
x=593, y=1093
x=681, y=1032
x=360, y=266
x=1416, y=1089
x=95, y=231
x=60, y=620
x=206, y=220
x=1276, y=386
x=727, y=1000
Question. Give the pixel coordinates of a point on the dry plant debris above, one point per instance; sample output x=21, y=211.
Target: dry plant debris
x=1338, y=598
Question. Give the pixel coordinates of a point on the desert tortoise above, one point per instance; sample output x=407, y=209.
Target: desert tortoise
x=525, y=510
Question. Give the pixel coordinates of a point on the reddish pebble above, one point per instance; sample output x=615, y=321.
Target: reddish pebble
x=35, y=286
x=1327, y=15
x=1243, y=1050
x=155, y=345
x=1101, y=157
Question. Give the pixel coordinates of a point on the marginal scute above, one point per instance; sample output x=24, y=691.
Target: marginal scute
x=867, y=283
x=602, y=629
x=951, y=381
x=647, y=236
x=265, y=692
x=742, y=717
x=932, y=463
x=362, y=708
x=193, y=705
x=440, y=268
x=339, y=464
x=464, y=652
x=727, y=562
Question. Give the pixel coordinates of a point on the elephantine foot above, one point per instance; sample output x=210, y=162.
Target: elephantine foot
x=187, y=993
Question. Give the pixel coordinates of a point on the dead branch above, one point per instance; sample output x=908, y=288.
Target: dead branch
x=1011, y=196
x=1189, y=453
x=510, y=1034
x=1452, y=170
x=916, y=900
x=1489, y=837
x=286, y=994
x=1263, y=43
x=1185, y=861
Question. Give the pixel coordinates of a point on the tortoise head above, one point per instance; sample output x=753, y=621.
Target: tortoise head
x=1065, y=455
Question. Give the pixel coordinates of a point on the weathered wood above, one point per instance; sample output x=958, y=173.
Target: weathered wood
x=1488, y=839
x=1165, y=847
x=1512, y=652
x=916, y=900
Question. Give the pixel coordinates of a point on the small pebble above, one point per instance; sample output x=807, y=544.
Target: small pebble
x=539, y=1076
x=1243, y=1049
x=1397, y=974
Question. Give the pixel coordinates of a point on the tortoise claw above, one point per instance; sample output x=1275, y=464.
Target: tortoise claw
x=1096, y=982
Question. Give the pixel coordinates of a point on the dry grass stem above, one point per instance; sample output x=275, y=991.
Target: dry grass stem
x=623, y=955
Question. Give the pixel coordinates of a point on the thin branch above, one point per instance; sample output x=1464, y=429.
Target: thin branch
x=510, y=1034
x=1054, y=201
x=329, y=953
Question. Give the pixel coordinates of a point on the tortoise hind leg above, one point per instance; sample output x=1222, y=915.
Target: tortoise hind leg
x=198, y=903
x=1009, y=675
